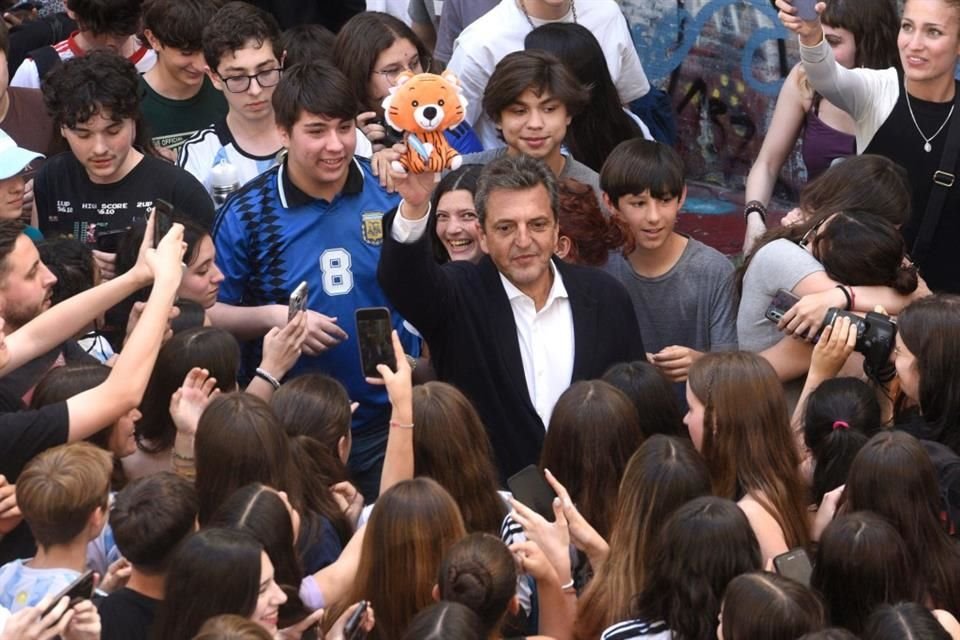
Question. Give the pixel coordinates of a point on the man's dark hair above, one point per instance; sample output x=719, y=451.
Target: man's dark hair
x=638, y=165
x=233, y=26
x=314, y=88
x=515, y=173
x=307, y=43
x=536, y=70
x=179, y=23
x=87, y=85
x=72, y=262
x=151, y=517
x=10, y=230
x=113, y=17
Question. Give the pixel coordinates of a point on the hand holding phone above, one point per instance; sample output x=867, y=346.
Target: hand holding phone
x=374, y=338
x=79, y=589
x=162, y=220
x=530, y=487
x=298, y=300
x=353, y=630
x=782, y=302
x=806, y=9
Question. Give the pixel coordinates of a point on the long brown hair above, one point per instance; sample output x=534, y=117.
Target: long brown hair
x=747, y=440
x=894, y=477
x=594, y=429
x=663, y=474
x=410, y=530
x=451, y=446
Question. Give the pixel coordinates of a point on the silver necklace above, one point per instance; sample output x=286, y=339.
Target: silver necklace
x=926, y=140
x=523, y=8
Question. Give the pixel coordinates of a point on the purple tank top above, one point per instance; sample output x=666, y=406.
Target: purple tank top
x=822, y=144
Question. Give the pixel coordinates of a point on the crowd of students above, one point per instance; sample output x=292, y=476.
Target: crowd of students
x=763, y=448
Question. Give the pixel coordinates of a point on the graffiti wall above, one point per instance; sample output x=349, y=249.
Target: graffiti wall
x=722, y=62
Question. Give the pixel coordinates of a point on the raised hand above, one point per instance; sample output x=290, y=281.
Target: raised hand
x=189, y=401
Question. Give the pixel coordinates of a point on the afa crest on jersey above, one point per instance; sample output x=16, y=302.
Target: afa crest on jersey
x=371, y=227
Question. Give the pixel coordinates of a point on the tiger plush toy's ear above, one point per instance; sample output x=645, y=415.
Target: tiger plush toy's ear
x=401, y=80
x=451, y=77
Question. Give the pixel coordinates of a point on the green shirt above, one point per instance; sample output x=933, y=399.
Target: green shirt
x=172, y=122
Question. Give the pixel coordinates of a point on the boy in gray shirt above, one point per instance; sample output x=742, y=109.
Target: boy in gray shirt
x=682, y=290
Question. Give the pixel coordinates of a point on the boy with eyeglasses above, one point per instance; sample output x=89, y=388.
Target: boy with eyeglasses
x=244, y=56
x=179, y=99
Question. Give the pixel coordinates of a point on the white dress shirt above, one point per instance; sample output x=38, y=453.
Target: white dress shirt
x=546, y=336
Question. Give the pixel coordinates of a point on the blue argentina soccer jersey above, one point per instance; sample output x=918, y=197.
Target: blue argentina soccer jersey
x=270, y=236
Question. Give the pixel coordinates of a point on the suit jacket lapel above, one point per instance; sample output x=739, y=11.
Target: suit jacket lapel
x=504, y=328
x=583, y=307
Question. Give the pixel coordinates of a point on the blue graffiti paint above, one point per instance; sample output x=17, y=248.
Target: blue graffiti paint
x=705, y=207
x=660, y=52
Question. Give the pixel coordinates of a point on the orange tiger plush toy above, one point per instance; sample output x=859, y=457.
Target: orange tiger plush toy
x=424, y=106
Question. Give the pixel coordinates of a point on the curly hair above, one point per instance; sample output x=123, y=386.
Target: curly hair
x=101, y=82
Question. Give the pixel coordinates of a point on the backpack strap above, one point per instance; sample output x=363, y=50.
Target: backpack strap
x=47, y=59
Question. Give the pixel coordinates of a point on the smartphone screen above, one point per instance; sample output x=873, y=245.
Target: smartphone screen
x=794, y=564
x=781, y=303
x=79, y=589
x=530, y=487
x=162, y=220
x=376, y=344
x=298, y=300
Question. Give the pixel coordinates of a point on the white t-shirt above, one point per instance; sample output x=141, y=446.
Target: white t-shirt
x=502, y=31
x=28, y=76
x=215, y=144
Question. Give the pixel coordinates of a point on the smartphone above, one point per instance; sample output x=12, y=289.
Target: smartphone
x=530, y=487
x=353, y=630
x=794, y=564
x=805, y=9
x=162, y=220
x=780, y=304
x=79, y=589
x=109, y=241
x=373, y=336
x=298, y=300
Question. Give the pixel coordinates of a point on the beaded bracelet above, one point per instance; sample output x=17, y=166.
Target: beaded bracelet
x=755, y=206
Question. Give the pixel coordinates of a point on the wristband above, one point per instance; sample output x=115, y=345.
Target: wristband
x=853, y=299
x=400, y=425
x=847, y=296
x=264, y=375
x=569, y=587
x=755, y=206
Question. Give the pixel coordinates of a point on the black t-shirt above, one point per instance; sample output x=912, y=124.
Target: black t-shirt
x=69, y=204
x=22, y=381
x=24, y=434
x=127, y=615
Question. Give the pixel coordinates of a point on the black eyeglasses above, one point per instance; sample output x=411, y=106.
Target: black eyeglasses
x=239, y=84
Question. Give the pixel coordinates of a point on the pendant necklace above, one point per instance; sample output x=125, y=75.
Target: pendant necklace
x=926, y=141
x=523, y=8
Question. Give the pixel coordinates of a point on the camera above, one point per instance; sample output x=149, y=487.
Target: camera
x=875, y=340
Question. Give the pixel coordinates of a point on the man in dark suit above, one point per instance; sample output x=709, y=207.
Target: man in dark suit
x=515, y=330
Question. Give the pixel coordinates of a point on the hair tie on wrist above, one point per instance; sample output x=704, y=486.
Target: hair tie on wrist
x=840, y=424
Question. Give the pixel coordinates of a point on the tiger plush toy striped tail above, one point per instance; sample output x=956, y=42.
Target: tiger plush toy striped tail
x=424, y=106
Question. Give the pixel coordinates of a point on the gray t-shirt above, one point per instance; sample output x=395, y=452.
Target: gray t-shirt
x=780, y=264
x=571, y=168
x=456, y=15
x=691, y=305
